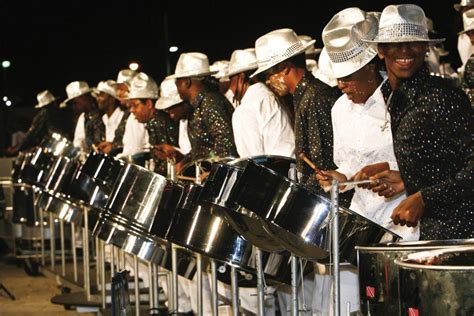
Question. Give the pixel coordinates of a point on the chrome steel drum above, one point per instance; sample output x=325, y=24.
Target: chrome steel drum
x=437, y=282
x=378, y=274
x=127, y=219
x=197, y=226
x=300, y=219
x=58, y=145
x=16, y=170
x=92, y=184
x=189, y=168
x=186, y=262
x=219, y=185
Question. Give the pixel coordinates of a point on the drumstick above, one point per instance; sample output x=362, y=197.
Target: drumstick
x=94, y=147
x=310, y=163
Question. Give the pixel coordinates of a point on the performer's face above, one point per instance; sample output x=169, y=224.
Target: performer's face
x=404, y=59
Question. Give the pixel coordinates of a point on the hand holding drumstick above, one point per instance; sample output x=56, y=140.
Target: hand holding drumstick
x=324, y=177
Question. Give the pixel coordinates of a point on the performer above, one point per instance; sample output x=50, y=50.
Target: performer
x=432, y=133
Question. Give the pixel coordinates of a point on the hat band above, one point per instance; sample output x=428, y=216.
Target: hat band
x=342, y=57
x=401, y=30
x=275, y=59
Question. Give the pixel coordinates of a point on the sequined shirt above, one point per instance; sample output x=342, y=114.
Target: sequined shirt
x=210, y=126
x=162, y=130
x=94, y=129
x=432, y=138
x=313, y=100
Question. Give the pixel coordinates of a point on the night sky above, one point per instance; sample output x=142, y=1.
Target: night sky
x=51, y=43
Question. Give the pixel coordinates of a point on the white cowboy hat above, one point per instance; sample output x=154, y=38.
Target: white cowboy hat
x=126, y=75
x=277, y=46
x=343, y=39
x=44, y=98
x=324, y=72
x=109, y=87
x=76, y=89
x=242, y=60
x=143, y=86
x=169, y=95
x=463, y=3
x=468, y=21
x=192, y=65
x=221, y=66
x=403, y=23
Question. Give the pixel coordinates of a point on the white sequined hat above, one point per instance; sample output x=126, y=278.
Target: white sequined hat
x=143, y=86
x=468, y=21
x=126, y=75
x=169, y=95
x=277, y=46
x=463, y=3
x=76, y=89
x=403, y=23
x=44, y=98
x=192, y=65
x=222, y=67
x=324, y=72
x=343, y=39
x=242, y=60
x=109, y=87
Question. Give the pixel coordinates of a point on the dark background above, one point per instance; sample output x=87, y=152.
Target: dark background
x=52, y=43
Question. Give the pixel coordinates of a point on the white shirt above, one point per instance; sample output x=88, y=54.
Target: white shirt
x=135, y=137
x=111, y=123
x=361, y=140
x=260, y=125
x=183, y=138
x=230, y=96
x=465, y=49
x=80, y=132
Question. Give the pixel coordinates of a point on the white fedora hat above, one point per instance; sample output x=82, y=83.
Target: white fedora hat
x=242, y=60
x=143, y=86
x=324, y=72
x=468, y=21
x=109, y=87
x=403, y=23
x=44, y=98
x=126, y=75
x=463, y=3
x=277, y=46
x=343, y=39
x=192, y=65
x=311, y=49
x=169, y=95
x=76, y=89
x=221, y=66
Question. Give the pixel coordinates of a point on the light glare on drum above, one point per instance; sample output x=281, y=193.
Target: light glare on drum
x=214, y=229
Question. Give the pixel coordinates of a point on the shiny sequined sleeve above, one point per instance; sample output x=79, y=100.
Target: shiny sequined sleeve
x=453, y=117
x=217, y=118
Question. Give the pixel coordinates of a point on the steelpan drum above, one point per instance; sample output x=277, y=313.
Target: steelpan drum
x=300, y=219
x=127, y=219
x=219, y=185
x=437, y=282
x=378, y=274
x=16, y=169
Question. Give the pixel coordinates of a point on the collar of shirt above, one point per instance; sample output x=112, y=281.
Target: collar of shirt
x=410, y=86
x=301, y=87
x=114, y=118
x=198, y=100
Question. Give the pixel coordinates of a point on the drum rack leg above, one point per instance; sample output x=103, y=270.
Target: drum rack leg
x=137, y=286
x=260, y=284
x=74, y=253
x=112, y=261
x=294, y=286
x=150, y=286
x=234, y=291
x=52, y=239
x=101, y=255
x=156, y=272
x=199, y=284
x=173, y=296
x=214, y=290
x=335, y=247
x=63, y=248
x=41, y=222
x=85, y=254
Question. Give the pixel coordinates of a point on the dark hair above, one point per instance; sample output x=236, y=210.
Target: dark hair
x=210, y=83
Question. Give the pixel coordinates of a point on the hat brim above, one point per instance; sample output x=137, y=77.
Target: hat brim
x=77, y=96
x=341, y=70
x=243, y=69
x=164, y=103
x=97, y=91
x=41, y=105
x=457, y=7
x=297, y=52
x=405, y=40
x=204, y=74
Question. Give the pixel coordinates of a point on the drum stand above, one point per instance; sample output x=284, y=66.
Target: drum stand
x=73, y=249
x=63, y=248
x=173, y=294
x=215, y=295
x=85, y=254
x=52, y=242
x=260, y=284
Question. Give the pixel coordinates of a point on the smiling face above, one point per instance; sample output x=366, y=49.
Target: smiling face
x=402, y=60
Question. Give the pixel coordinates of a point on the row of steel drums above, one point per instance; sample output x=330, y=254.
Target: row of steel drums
x=243, y=203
